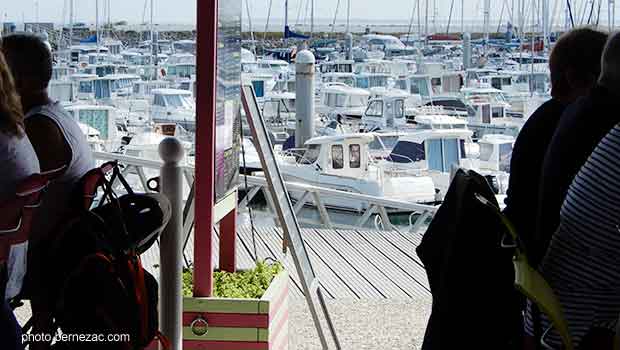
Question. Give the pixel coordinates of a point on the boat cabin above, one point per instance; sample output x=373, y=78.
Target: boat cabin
x=335, y=96
x=417, y=84
x=388, y=111
x=495, y=152
x=98, y=117
x=434, y=150
x=62, y=90
x=338, y=66
x=342, y=155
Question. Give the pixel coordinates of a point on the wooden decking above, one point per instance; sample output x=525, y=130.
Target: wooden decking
x=349, y=264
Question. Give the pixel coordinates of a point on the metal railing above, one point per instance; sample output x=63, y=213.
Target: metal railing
x=373, y=210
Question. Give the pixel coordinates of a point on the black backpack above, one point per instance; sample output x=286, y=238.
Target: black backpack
x=98, y=287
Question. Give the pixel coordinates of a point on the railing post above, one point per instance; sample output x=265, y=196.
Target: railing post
x=171, y=244
x=228, y=240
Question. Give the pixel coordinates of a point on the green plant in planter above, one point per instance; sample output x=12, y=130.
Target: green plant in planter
x=250, y=284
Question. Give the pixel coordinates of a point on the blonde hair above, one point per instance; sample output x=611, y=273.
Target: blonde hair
x=11, y=113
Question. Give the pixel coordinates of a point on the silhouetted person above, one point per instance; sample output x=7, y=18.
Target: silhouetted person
x=575, y=65
x=60, y=145
x=582, y=264
x=581, y=128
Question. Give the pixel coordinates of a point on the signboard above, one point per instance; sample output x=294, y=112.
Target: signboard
x=278, y=195
x=227, y=144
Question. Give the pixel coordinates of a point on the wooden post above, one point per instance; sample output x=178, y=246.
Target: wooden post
x=207, y=13
x=228, y=238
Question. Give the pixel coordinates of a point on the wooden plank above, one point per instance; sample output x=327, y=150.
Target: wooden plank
x=268, y=240
x=404, y=261
x=403, y=243
x=220, y=345
x=228, y=319
x=341, y=267
x=333, y=284
x=387, y=266
x=351, y=277
x=371, y=272
x=221, y=305
x=227, y=334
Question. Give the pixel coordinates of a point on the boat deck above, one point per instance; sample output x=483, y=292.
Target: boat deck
x=349, y=264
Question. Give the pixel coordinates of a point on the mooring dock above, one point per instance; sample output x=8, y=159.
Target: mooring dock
x=350, y=264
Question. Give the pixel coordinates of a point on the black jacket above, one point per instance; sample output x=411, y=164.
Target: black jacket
x=582, y=126
x=526, y=167
x=475, y=305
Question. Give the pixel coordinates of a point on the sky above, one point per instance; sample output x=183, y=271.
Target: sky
x=184, y=12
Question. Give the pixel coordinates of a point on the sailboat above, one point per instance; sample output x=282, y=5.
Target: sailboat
x=288, y=33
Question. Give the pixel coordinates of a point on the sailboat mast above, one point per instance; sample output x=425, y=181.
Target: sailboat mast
x=462, y=16
x=426, y=21
x=348, y=16
x=545, y=23
x=311, y=18
x=286, y=14
x=70, y=23
x=97, y=25
x=611, y=14
x=487, y=12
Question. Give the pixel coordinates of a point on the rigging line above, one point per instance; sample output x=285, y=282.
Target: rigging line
x=299, y=7
x=553, y=16
x=591, y=12
x=450, y=17
x=411, y=20
x=144, y=12
x=510, y=14
x=306, y=13
x=247, y=189
x=598, y=15
x=335, y=16
x=570, y=13
x=501, y=17
x=268, y=17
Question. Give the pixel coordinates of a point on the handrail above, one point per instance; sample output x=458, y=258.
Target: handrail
x=370, y=205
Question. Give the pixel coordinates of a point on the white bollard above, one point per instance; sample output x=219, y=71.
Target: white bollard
x=171, y=244
x=304, y=102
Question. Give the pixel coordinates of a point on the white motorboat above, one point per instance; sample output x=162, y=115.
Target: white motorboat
x=343, y=162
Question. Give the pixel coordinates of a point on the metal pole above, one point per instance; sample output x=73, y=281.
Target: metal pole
x=228, y=238
x=462, y=16
x=348, y=16
x=311, y=18
x=205, y=152
x=611, y=10
x=171, y=244
x=70, y=25
x=97, y=26
x=487, y=21
x=426, y=22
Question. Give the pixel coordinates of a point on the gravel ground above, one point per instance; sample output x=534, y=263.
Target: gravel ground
x=363, y=324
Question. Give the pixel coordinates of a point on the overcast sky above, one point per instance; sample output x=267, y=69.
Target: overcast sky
x=183, y=11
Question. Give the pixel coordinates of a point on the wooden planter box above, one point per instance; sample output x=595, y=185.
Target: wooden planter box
x=238, y=324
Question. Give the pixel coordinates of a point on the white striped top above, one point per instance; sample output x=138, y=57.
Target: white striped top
x=583, y=261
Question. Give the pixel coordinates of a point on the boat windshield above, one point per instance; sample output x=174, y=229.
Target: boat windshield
x=419, y=86
x=179, y=101
x=311, y=155
x=408, y=152
x=505, y=153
